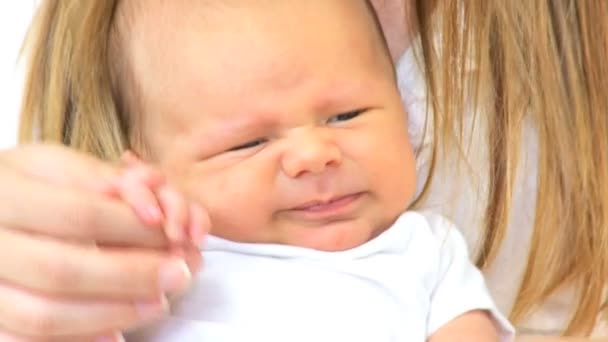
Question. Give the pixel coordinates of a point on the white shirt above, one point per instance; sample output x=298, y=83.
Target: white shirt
x=401, y=286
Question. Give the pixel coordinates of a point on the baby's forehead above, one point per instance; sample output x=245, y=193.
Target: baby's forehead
x=157, y=18
x=153, y=34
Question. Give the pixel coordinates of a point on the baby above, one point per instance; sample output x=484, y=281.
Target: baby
x=283, y=119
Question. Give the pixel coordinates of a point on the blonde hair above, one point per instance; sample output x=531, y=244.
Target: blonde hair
x=538, y=59
x=69, y=97
x=544, y=61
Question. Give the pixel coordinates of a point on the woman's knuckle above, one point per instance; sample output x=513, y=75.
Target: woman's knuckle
x=85, y=217
x=58, y=274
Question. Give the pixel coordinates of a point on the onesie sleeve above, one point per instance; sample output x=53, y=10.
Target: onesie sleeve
x=459, y=286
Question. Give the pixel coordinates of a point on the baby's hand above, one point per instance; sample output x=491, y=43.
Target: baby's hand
x=157, y=203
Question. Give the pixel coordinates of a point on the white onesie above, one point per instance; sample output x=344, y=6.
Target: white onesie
x=401, y=286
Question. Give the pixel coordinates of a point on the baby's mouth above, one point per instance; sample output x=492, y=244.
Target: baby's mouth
x=318, y=205
x=334, y=207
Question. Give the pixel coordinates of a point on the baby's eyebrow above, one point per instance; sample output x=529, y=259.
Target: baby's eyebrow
x=338, y=97
x=255, y=120
x=234, y=126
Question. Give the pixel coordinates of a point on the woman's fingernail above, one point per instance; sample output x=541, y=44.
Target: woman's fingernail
x=152, y=309
x=117, y=337
x=174, y=276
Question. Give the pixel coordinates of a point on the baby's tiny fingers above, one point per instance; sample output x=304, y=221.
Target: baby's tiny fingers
x=140, y=196
x=199, y=224
x=129, y=158
x=146, y=173
x=176, y=213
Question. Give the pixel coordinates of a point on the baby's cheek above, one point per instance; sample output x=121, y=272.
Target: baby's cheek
x=233, y=213
x=238, y=222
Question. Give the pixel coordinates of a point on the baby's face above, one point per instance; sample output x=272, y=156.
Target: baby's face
x=281, y=117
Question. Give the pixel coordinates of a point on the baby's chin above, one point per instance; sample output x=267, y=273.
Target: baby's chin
x=333, y=237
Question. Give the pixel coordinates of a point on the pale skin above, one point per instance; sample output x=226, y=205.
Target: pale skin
x=76, y=212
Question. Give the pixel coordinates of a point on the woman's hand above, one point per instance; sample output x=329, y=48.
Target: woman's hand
x=76, y=263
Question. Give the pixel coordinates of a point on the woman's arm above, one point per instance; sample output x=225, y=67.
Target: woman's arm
x=472, y=326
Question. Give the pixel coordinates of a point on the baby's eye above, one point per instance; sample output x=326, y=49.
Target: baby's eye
x=345, y=116
x=250, y=144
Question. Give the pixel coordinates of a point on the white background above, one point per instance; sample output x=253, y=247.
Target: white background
x=15, y=16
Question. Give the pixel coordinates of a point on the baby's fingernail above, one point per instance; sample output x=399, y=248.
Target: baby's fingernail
x=198, y=237
x=175, y=233
x=198, y=234
x=117, y=337
x=108, y=188
x=200, y=225
x=129, y=158
x=153, y=214
x=153, y=309
x=174, y=276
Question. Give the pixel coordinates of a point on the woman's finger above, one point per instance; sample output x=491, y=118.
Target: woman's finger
x=60, y=165
x=35, y=317
x=59, y=268
x=105, y=337
x=62, y=212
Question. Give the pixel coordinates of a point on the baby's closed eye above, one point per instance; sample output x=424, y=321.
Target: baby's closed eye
x=345, y=116
x=250, y=144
